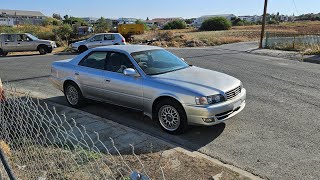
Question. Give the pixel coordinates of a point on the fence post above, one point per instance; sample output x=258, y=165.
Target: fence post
x=6, y=165
x=267, y=37
x=294, y=41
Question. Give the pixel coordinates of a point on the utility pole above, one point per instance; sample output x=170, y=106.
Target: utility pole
x=263, y=22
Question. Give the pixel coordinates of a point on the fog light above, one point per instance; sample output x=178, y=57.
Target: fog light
x=208, y=120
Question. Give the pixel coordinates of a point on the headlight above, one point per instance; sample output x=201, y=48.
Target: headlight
x=209, y=99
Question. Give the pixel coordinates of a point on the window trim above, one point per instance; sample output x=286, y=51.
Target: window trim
x=90, y=53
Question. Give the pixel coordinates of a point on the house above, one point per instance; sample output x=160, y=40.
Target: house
x=254, y=18
x=198, y=22
x=23, y=17
x=90, y=20
x=160, y=22
x=127, y=20
x=6, y=22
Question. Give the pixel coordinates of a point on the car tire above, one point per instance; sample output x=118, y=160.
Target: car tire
x=43, y=50
x=82, y=49
x=74, y=95
x=171, y=116
x=2, y=53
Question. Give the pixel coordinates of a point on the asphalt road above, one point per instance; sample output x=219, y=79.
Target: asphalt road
x=277, y=135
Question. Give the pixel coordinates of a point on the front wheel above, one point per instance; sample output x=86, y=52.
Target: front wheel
x=171, y=116
x=42, y=50
x=74, y=96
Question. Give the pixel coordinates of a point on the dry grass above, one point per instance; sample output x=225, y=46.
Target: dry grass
x=194, y=38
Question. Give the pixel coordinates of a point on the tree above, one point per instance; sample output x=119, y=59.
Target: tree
x=176, y=24
x=139, y=21
x=64, y=31
x=102, y=25
x=216, y=24
x=147, y=18
x=56, y=16
x=51, y=21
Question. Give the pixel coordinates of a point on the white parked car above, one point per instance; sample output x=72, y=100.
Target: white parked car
x=103, y=39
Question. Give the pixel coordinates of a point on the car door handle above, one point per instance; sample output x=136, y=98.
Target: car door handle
x=18, y=43
x=108, y=80
x=77, y=74
x=5, y=43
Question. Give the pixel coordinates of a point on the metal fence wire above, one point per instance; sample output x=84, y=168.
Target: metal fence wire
x=291, y=41
x=38, y=143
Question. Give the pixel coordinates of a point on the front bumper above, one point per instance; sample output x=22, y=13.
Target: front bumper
x=216, y=113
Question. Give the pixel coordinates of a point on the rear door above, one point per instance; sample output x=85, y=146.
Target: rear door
x=96, y=41
x=9, y=43
x=25, y=43
x=108, y=39
x=89, y=74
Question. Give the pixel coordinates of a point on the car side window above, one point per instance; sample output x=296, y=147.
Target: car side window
x=9, y=38
x=109, y=37
x=94, y=60
x=23, y=37
x=118, y=62
x=97, y=38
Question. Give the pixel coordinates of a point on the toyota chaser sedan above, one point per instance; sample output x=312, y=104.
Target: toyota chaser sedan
x=152, y=80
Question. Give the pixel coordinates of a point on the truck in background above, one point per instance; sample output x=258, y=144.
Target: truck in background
x=24, y=42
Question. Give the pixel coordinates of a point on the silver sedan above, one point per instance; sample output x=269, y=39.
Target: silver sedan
x=152, y=80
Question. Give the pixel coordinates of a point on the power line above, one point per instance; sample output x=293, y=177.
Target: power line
x=295, y=6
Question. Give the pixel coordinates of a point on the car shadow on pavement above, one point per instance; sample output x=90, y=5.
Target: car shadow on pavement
x=195, y=138
x=21, y=55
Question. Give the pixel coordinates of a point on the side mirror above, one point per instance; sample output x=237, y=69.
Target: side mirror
x=130, y=72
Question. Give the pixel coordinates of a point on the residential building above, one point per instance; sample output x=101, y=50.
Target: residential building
x=127, y=20
x=23, y=17
x=198, y=22
x=6, y=22
x=160, y=22
x=90, y=20
x=254, y=18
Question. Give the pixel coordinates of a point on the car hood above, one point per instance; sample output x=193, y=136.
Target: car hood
x=45, y=41
x=202, y=81
x=80, y=42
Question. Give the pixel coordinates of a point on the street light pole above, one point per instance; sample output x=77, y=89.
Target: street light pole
x=263, y=22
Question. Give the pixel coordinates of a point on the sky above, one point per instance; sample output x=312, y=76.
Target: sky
x=161, y=8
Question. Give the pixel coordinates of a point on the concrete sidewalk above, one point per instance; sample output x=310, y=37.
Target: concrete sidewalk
x=144, y=145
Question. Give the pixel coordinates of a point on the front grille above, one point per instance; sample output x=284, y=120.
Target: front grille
x=233, y=93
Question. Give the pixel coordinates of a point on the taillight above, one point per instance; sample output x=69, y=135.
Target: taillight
x=123, y=40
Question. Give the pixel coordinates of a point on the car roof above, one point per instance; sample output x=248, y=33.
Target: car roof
x=127, y=48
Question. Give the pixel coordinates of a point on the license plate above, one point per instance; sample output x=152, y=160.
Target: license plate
x=237, y=104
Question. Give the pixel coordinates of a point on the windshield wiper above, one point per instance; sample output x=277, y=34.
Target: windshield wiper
x=168, y=71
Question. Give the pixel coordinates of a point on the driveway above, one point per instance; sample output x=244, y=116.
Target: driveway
x=276, y=136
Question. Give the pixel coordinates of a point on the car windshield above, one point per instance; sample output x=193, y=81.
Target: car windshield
x=33, y=37
x=158, y=61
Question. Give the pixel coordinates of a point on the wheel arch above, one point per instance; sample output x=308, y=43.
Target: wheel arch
x=42, y=45
x=70, y=81
x=161, y=98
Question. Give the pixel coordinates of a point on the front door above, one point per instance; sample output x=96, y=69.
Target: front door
x=96, y=41
x=89, y=74
x=25, y=43
x=120, y=89
x=9, y=43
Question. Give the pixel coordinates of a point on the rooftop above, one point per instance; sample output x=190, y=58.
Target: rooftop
x=20, y=12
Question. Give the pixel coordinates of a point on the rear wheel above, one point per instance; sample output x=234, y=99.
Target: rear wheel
x=171, y=116
x=42, y=50
x=74, y=96
x=2, y=53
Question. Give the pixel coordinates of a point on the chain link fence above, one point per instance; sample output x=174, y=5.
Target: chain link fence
x=292, y=41
x=38, y=143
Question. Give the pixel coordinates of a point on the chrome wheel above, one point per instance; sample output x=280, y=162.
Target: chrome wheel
x=169, y=118
x=72, y=95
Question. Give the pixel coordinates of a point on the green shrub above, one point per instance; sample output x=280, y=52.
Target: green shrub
x=176, y=24
x=216, y=24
